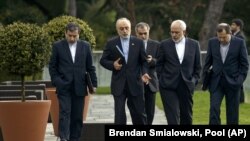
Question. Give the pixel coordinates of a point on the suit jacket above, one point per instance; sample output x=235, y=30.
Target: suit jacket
x=170, y=70
x=235, y=67
x=241, y=35
x=131, y=71
x=64, y=72
x=153, y=50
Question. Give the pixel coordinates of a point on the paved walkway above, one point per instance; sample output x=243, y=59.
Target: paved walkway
x=101, y=110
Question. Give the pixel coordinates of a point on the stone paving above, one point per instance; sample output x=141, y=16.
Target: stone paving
x=101, y=110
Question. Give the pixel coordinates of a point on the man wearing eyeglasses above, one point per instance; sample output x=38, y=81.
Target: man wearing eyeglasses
x=178, y=69
x=125, y=56
x=152, y=48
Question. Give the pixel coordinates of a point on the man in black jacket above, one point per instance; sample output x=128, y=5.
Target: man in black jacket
x=152, y=48
x=237, y=30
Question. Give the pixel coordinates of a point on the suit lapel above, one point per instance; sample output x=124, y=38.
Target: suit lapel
x=131, y=48
x=67, y=50
x=230, y=49
x=217, y=48
x=173, y=48
x=186, y=49
x=78, y=50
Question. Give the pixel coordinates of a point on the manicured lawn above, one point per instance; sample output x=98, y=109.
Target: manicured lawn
x=201, y=109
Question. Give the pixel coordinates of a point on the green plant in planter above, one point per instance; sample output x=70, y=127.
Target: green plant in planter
x=24, y=50
x=56, y=29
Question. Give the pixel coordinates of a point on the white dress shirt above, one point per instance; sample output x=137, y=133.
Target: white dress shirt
x=72, y=48
x=180, y=49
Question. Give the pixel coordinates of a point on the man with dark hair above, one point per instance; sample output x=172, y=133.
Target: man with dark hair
x=237, y=30
x=227, y=55
x=69, y=61
x=151, y=48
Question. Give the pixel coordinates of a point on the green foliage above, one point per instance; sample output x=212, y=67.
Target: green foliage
x=56, y=29
x=24, y=48
x=22, y=12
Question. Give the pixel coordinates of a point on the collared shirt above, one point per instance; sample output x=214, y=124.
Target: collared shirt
x=180, y=49
x=72, y=48
x=125, y=47
x=223, y=51
x=145, y=44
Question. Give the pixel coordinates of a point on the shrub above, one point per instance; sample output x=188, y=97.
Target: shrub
x=56, y=29
x=24, y=49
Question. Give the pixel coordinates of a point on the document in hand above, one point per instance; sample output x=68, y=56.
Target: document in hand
x=119, y=54
x=89, y=83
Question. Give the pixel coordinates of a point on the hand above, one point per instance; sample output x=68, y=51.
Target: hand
x=116, y=64
x=94, y=90
x=149, y=58
x=145, y=78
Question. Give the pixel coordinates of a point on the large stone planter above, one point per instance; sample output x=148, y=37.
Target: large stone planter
x=24, y=121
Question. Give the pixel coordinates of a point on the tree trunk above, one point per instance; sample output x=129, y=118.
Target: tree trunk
x=72, y=8
x=212, y=18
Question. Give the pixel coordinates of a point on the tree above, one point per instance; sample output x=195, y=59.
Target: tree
x=56, y=29
x=212, y=18
x=24, y=50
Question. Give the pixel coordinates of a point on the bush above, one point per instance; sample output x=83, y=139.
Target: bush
x=56, y=29
x=24, y=49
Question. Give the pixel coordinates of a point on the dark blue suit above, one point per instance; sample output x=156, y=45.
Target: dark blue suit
x=69, y=79
x=126, y=84
x=153, y=86
x=226, y=79
x=178, y=80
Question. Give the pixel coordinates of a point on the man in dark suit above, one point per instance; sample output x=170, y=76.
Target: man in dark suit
x=237, y=30
x=152, y=47
x=228, y=57
x=125, y=56
x=178, y=69
x=69, y=61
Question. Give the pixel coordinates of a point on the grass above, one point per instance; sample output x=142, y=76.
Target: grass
x=201, y=107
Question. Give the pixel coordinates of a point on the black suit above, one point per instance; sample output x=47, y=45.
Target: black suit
x=153, y=86
x=126, y=84
x=69, y=79
x=226, y=79
x=241, y=35
x=177, y=80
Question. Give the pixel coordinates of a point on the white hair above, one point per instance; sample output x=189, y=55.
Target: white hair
x=181, y=23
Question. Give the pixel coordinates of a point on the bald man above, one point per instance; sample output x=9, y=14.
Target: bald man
x=125, y=56
x=227, y=55
x=178, y=69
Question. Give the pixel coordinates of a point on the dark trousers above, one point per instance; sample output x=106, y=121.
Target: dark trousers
x=177, y=104
x=135, y=105
x=70, y=115
x=149, y=104
x=232, y=103
x=242, y=95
